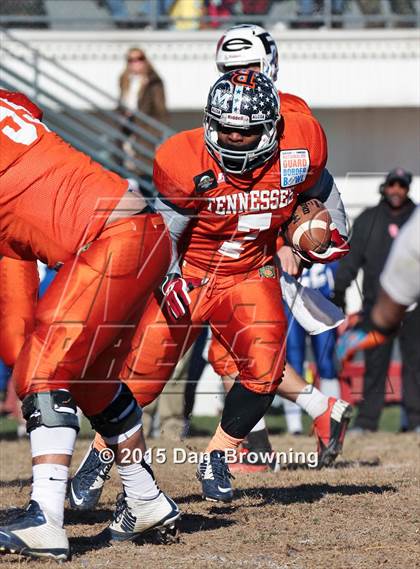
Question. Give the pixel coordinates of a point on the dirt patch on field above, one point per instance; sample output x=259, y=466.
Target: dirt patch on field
x=364, y=513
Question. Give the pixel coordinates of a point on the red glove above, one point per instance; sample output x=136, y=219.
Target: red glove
x=337, y=249
x=175, y=289
x=23, y=101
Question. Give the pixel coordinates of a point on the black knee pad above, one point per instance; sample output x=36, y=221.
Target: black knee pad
x=119, y=417
x=50, y=409
x=243, y=409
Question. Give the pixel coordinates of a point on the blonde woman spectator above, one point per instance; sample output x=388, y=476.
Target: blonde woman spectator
x=141, y=89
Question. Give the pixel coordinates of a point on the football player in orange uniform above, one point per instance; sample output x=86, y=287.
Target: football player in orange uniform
x=227, y=190
x=251, y=46
x=19, y=279
x=240, y=185
x=247, y=46
x=59, y=206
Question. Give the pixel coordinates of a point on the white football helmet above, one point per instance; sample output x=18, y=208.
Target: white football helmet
x=244, y=45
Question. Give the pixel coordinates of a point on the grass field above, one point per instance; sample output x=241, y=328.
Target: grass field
x=363, y=513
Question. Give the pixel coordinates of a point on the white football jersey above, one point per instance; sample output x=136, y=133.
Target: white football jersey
x=401, y=275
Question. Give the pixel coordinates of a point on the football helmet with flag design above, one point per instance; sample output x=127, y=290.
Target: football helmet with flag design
x=241, y=100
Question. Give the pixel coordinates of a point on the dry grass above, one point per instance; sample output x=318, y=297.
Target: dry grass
x=364, y=513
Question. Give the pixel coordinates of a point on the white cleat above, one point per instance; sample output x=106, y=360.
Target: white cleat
x=33, y=534
x=133, y=518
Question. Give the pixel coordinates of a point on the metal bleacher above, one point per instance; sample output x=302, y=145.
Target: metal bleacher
x=98, y=132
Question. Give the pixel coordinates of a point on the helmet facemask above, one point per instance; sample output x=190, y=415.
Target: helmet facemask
x=239, y=161
x=242, y=99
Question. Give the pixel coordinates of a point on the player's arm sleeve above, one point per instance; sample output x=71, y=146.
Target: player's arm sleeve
x=349, y=266
x=400, y=278
x=173, y=181
x=313, y=137
x=22, y=100
x=176, y=224
x=326, y=191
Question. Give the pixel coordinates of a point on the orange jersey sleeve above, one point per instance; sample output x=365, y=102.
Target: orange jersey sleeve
x=53, y=199
x=293, y=104
x=177, y=163
x=22, y=100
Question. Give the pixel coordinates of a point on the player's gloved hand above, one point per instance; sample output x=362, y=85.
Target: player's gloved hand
x=175, y=289
x=337, y=249
x=362, y=336
x=23, y=101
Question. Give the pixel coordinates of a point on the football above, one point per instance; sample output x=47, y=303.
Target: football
x=309, y=227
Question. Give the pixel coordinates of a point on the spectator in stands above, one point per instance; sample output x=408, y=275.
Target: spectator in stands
x=141, y=89
x=310, y=8
x=373, y=234
x=399, y=8
x=154, y=9
x=118, y=10
x=216, y=10
x=186, y=14
x=26, y=11
x=151, y=11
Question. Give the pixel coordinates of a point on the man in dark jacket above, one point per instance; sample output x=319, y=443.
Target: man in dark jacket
x=373, y=234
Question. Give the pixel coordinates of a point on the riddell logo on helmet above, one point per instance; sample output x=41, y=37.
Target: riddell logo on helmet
x=235, y=118
x=245, y=78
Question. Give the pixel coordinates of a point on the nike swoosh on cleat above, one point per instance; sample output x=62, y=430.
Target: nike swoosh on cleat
x=224, y=490
x=77, y=501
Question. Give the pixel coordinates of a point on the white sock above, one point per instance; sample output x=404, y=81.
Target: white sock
x=330, y=387
x=49, y=489
x=312, y=401
x=138, y=481
x=293, y=416
x=260, y=426
x=52, y=440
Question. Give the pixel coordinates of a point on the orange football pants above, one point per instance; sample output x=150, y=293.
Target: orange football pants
x=19, y=283
x=220, y=359
x=87, y=306
x=246, y=315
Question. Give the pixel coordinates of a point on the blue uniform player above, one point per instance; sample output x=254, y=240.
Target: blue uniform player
x=320, y=277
